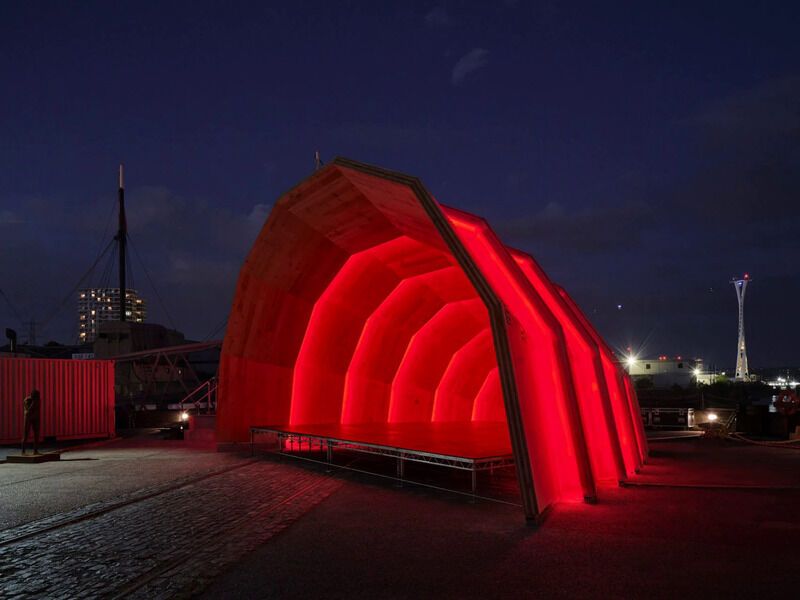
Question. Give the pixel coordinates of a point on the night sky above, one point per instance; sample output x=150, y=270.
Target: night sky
x=643, y=153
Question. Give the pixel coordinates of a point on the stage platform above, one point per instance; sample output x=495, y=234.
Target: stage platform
x=472, y=446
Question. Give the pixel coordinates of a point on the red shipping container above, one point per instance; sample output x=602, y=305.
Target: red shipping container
x=77, y=397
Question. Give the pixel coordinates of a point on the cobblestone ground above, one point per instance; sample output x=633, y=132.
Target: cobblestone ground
x=167, y=541
x=32, y=492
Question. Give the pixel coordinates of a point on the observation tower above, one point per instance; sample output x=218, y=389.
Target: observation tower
x=742, y=372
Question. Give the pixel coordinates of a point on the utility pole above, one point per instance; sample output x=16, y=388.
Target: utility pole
x=122, y=238
x=31, y=325
x=317, y=161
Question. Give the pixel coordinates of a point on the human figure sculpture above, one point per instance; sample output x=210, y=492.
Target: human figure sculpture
x=31, y=409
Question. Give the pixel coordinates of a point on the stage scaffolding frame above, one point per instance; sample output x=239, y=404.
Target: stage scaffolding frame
x=400, y=455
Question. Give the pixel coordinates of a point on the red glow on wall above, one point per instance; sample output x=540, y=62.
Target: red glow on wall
x=365, y=303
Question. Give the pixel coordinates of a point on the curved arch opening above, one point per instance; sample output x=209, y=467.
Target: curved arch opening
x=364, y=306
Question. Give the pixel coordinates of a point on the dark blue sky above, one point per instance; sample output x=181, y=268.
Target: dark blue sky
x=643, y=152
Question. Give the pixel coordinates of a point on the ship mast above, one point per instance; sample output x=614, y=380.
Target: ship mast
x=122, y=238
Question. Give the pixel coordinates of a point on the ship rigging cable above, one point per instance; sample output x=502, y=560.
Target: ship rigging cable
x=152, y=285
x=219, y=327
x=11, y=306
x=71, y=293
x=101, y=251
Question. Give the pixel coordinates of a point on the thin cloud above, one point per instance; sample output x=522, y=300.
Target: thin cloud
x=609, y=228
x=475, y=59
x=9, y=218
x=754, y=139
x=756, y=119
x=438, y=17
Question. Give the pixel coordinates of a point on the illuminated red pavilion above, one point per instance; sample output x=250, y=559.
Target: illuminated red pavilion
x=366, y=309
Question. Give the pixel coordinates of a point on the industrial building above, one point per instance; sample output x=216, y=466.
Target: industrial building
x=665, y=372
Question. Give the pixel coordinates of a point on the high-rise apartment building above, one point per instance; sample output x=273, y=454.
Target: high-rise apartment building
x=98, y=305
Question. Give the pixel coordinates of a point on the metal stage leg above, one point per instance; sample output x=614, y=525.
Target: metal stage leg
x=474, y=480
x=252, y=447
x=401, y=467
x=329, y=451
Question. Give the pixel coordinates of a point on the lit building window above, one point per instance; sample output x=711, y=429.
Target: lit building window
x=99, y=305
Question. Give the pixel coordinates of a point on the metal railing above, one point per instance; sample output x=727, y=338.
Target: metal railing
x=204, y=395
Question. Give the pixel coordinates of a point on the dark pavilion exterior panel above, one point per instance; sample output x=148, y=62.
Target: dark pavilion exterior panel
x=367, y=309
